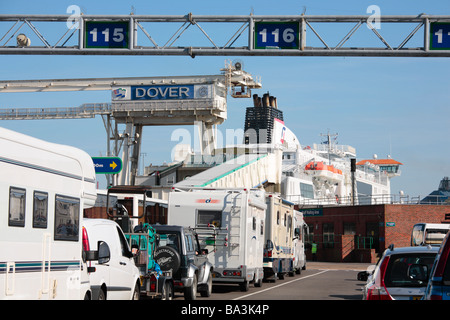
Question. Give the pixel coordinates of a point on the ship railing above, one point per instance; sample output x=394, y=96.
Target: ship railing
x=360, y=199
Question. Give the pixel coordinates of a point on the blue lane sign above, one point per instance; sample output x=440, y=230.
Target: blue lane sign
x=277, y=35
x=439, y=36
x=106, y=34
x=107, y=165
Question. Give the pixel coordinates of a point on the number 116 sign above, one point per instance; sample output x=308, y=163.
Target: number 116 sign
x=276, y=35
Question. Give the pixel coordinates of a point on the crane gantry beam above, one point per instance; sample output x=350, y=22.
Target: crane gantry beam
x=247, y=35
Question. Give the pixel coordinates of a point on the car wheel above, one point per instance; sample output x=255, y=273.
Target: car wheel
x=101, y=295
x=208, y=288
x=136, y=293
x=190, y=293
x=244, y=286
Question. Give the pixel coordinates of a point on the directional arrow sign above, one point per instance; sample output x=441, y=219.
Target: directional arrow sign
x=107, y=165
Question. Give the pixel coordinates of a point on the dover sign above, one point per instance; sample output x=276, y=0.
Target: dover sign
x=161, y=92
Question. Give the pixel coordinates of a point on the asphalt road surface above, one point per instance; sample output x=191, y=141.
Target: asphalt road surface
x=320, y=281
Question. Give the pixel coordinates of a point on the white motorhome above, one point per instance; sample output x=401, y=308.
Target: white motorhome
x=230, y=223
x=429, y=234
x=279, y=235
x=44, y=188
x=300, y=237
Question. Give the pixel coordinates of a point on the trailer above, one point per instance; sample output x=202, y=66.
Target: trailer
x=142, y=238
x=44, y=188
x=301, y=233
x=279, y=235
x=230, y=224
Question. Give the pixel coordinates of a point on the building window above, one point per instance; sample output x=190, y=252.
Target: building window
x=349, y=228
x=306, y=190
x=16, y=207
x=40, y=208
x=328, y=235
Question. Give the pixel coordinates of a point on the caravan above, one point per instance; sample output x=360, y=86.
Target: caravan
x=279, y=235
x=44, y=188
x=231, y=224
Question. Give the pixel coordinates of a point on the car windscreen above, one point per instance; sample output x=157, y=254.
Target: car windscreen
x=397, y=271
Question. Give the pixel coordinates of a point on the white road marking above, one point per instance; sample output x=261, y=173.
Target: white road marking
x=282, y=284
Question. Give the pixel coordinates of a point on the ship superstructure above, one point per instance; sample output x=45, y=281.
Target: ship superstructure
x=272, y=157
x=321, y=173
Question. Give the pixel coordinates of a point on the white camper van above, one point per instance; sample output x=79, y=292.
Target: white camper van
x=279, y=235
x=429, y=234
x=44, y=188
x=301, y=232
x=230, y=223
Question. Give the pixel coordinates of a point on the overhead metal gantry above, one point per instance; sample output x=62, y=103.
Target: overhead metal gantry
x=245, y=35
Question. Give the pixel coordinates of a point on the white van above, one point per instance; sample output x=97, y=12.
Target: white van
x=116, y=278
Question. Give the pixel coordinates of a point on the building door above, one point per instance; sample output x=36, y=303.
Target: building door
x=373, y=235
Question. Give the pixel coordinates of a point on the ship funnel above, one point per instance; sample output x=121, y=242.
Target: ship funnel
x=265, y=100
x=256, y=101
x=273, y=102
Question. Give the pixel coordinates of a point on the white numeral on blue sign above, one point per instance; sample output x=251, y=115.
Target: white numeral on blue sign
x=288, y=35
x=118, y=34
x=439, y=35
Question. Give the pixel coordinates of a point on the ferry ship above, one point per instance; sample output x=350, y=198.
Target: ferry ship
x=321, y=173
x=273, y=158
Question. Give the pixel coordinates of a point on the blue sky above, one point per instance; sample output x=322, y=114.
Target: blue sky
x=396, y=106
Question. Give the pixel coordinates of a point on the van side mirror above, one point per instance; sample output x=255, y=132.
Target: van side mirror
x=104, y=254
x=90, y=255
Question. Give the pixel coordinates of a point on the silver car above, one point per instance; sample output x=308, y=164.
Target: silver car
x=400, y=274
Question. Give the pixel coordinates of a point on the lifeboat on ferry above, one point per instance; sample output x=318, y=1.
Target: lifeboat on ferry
x=322, y=171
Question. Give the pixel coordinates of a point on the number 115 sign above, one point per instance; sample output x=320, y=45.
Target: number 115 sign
x=276, y=35
x=106, y=34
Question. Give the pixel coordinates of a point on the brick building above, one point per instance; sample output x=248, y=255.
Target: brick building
x=360, y=233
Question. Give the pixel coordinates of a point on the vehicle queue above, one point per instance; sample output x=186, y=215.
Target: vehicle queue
x=48, y=251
